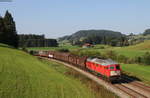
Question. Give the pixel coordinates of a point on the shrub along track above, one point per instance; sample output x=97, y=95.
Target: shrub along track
x=127, y=88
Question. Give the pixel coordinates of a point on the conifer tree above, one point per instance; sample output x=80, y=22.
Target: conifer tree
x=1, y=30
x=10, y=34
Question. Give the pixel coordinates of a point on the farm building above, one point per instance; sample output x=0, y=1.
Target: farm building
x=87, y=45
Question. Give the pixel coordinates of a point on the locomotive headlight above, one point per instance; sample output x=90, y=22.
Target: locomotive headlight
x=114, y=73
x=50, y=56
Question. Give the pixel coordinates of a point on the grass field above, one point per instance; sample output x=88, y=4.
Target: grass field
x=134, y=50
x=128, y=51
x=23, y=76
x=140, y=71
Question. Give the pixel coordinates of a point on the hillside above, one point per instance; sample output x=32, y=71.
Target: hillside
x=94, y=37
x=141, y=46
x=24, y=76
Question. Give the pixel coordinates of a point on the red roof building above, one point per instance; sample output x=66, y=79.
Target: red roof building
x=87, y=45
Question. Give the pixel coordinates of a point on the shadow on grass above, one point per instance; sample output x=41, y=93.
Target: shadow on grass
x=126, y=79
x=5, y=45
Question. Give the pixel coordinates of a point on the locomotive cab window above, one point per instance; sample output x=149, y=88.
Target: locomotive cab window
x=97, y=65
x=106, y=67
x=111, y=67
x=117, y=67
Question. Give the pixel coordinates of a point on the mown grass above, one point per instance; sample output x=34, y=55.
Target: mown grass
x=134, y=50
x=23, y=76
x=142, y=46
x=130, y=53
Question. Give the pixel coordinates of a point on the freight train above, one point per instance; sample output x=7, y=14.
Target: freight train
x=105, y=68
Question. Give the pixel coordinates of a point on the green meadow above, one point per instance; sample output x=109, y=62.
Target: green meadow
x=140, y=71
x=129, y=51
x=24, y=76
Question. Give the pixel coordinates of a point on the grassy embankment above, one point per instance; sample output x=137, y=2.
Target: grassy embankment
x=96, y=89
x=24, y=76
x=140, y=71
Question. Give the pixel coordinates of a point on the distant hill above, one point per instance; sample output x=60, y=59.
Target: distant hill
x=95, y=37
x=139, y=38
x=141, y=46
x=147, y=32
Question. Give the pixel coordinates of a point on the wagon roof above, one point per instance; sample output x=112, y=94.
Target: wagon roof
x=104, y=62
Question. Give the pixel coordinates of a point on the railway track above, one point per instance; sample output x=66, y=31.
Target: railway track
x=125, y=89
x=137, y=83
x=136, y=86
x=130, y=91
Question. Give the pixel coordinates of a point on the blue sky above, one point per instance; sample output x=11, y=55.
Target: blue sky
x=56, y=18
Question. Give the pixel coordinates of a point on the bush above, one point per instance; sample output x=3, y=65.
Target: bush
x=121, y=58
x=31, y=52
x=146, y=58
x=130, y=61
x=111, y=54
x=101, y=47
x=63, y=50
x=138, y=60
x=87, y=53
x=24, y=49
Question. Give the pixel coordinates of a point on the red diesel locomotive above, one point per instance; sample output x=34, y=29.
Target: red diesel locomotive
x=106, y=68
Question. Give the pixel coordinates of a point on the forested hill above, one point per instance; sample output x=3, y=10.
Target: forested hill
x=95, y=37
x=147, y=32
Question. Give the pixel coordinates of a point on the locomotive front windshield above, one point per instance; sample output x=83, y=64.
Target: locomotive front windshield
x=118, y=67
x=114, y=67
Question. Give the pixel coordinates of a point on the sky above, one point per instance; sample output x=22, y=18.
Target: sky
x=56, y=18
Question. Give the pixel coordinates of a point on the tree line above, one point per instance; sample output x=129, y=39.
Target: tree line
x=8, y=33
x=106, y=40
x=32, y=40
x=146, y=32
